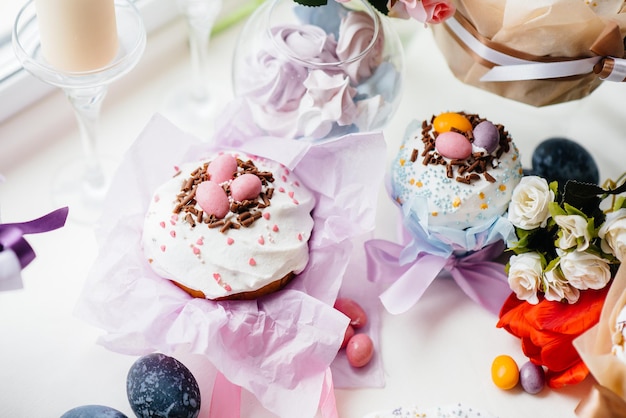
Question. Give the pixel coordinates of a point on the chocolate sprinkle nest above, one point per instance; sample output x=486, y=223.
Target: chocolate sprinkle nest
x=467, y=170
x=246, y=212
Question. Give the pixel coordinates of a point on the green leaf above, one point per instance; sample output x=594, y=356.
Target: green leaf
x=312, y=3
x=380, y=5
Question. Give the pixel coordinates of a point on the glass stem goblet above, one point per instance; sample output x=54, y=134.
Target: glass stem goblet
x=192, y=107
x=87, y=104
x=82, y=186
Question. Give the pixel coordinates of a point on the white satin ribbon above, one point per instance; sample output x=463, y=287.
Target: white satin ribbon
x=509, y=68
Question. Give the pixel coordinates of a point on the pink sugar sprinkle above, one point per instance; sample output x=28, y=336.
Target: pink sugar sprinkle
x=252, y=262
x=299, y=237
x=200, y=241
x=176, y=168
x=266, y=215
x=295, y=202
x=290, y=194
x=162, y=224
x=175, y=217
x=261, y=240
x=230, y=241
x=196, y=250
x=296, y=183
x=275, y=228
x=173, y=234
x=286, y=170
x=227, y=287
x=217, y=277
x=283, y=178
x=281, y=189
x=163, y=248
x=156, y=198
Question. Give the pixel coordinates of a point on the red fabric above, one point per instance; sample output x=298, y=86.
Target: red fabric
x=547, y=330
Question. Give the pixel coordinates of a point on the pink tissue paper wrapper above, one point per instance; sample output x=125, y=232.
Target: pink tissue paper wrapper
x=277, y=347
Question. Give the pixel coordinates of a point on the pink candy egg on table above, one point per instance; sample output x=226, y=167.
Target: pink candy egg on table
x=360, y=350
x=245, y=187
x=446, y=122
x=354, y=311
x=212, y=199
x=453, y=145
x=486, y=136
x=346, y=337
x=222, y=168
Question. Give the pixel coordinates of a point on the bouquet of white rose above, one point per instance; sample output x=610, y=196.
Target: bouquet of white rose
x=565, y=242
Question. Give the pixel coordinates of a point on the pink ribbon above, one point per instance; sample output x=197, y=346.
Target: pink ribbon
x=226, y=398
x=12, y=235
x=483, y=280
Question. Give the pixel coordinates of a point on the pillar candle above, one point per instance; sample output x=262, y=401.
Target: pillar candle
x=77, y=35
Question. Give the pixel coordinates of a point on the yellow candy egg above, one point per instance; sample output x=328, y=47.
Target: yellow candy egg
x=504, y=372
x=444, y=122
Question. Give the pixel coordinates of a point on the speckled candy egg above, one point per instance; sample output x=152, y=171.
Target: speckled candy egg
x=445, y=122
x=486, y=136
x=93, y=411
x=160, y=386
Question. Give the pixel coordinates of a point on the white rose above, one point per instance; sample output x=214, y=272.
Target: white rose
x=613, y=234
x=557, y=288
x=574, y=232
x=584, y=270
x=528, y=208
x=525, y=274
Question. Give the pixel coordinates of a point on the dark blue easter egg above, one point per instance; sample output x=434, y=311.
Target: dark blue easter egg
x=93, y=411
x=562, y=159
x=160, y=386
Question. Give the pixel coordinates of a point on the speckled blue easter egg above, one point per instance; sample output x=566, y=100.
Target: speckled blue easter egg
x=93, y=411
x=562, y=159
x=160, y=386
x=486, y=136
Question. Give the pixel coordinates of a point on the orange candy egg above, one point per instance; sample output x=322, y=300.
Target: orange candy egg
x=444, y=122
x=504, y=372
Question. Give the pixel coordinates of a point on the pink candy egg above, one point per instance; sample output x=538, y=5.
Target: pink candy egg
x=222, y=168
x=354, y=311
x=360, y=350
x=245, y=187
x=212, y=199
x=347, y=335
x=486, y=136
x=453, y=145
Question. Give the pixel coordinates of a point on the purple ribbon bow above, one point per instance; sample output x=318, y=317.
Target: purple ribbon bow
x=12, y=235
x=483, y=280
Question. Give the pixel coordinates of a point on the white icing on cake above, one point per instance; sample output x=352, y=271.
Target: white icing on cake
x=451, y=203
x=446, y=411
x=221, y=264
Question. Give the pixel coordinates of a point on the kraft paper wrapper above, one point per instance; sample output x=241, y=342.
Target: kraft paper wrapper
x=608, y=397
x=543, y=31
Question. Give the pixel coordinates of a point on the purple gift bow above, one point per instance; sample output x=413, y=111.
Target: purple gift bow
x=483, y=280
x=12, y=235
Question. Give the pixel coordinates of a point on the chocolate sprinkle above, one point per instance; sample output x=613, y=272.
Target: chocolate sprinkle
x=247, y=211
x=468, y=170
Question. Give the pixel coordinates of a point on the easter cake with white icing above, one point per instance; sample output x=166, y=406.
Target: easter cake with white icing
x=458, y=170
x=234, y=226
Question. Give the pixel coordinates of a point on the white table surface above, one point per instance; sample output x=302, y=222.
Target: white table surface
x=438, y=353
